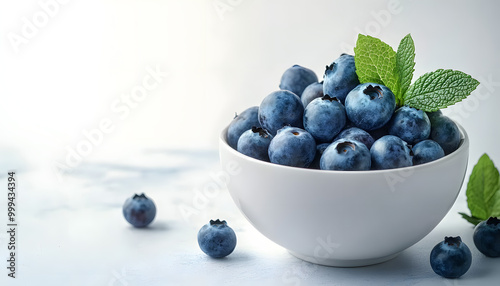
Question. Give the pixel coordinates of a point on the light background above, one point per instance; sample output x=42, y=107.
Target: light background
x=65, y=78
x=219, y=61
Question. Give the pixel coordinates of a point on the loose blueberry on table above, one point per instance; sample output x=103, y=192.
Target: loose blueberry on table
x=451, y=258
x=217, y=239
x=487, y=237
x=139, y=210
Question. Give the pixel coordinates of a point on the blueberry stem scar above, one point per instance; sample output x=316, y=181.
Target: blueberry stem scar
x=330, y=67
x=370, y=89
x=341, y=146
x=453, y=240
x=217, y=222
x=262, y=132
x=139, y=196
x=493, y=221
x=327, y=97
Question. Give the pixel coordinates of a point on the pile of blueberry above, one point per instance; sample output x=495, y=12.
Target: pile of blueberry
x=340, y=124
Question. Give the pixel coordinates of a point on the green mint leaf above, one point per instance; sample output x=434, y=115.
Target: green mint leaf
x=439, y=89
x=483, y=189
x=471, y=219
x=405, y=66
x=375, y=62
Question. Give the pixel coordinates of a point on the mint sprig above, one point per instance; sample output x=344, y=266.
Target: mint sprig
x=439, y=89
x=483, y=191
x=377, y=62
x=405, y=66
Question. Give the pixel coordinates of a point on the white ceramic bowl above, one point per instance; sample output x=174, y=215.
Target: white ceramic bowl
x=341, y=218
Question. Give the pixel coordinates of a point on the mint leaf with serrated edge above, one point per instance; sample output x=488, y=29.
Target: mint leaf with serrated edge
x=483, y=190
x=375, y=62
x=439, y=89
x=405, y=66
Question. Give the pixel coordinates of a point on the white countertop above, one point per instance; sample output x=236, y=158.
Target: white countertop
x=72, y=232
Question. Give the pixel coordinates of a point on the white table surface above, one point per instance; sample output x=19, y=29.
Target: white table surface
x=72, y=232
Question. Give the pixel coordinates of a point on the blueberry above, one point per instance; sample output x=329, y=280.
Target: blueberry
x=434, y=114
x=487, y=237
x=445, y=132
x=348, y=123
x=410, y=124
x=370, y=106
x=324, y=118
x=292, y=146
x=451, y=258
x=354, y=133
x=297, y=78
x=379, y=132
x=390, y=152
x=217, y=239
x=139, y=210
x=312, y=91
x=280, y=108
x=255, y=142
x=320, y=148
x=340, y=77
x=242, y=123
x=346, y=155
x=426, y=151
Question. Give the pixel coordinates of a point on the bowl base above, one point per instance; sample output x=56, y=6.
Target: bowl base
x=343, y=263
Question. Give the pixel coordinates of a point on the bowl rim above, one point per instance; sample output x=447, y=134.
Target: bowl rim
x=463, y=146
